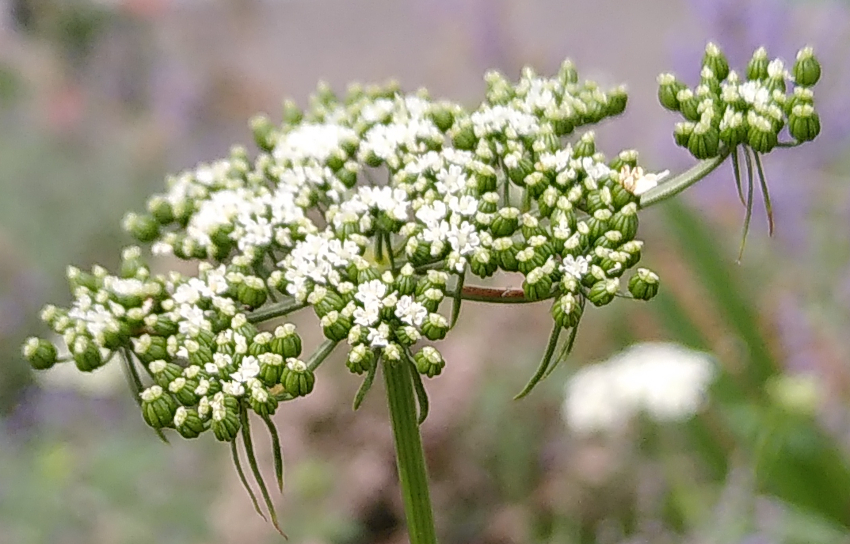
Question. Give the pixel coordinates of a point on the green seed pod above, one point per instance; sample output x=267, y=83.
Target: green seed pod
x=158, y=407
x=86, y=354
x=704, y=142
x=505, y=251
x=40, y=353
x=261, y=343
x=644, y=284
x=297, y=379
x=325, y=301
x=187, y=422
x=757, y=67
x=435, y=327
x=225, y=417
x=804, y=123
x=603, y=291
x=626, y=221
x=715, y=60
x=433, y=279
x=150, y=348
x=567, y=310
x=429, y=362
x=806, y=68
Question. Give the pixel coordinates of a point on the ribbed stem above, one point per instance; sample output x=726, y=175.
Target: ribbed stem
x=409, y=453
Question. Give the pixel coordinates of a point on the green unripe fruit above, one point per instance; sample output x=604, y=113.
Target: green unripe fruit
x=188, y=423
x=429, y=362
x=603, y=291
x=158, y=407
x=804, y=123
x=566, y=311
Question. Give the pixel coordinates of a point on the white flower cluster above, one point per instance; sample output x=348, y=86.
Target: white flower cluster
x=667, y=382
x=371, y=209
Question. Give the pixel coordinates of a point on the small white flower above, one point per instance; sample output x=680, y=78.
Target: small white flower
x=637, y=182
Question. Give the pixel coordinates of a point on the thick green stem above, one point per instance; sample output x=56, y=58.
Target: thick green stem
x=409, y=453
x=278, y=309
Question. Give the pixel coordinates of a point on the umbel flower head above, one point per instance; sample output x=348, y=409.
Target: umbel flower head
x=372, y=209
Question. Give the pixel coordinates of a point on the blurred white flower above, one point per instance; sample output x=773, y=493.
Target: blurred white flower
x=668, y=382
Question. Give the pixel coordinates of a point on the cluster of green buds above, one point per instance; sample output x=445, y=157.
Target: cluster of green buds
x=724, y=113
x=373, y=209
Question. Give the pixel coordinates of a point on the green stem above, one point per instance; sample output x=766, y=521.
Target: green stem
x=409, y=453
x=321, y=354
x=684, y=180
x=275, y=310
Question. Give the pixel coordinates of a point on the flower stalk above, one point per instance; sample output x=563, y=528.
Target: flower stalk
x=412, y=474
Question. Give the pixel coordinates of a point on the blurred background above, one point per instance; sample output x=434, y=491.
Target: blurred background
x=100, y=99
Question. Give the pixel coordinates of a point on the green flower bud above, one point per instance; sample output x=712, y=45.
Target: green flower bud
x=292, y=114
x=537, y=284
x=405, y=281
x=417, y=251
x=163, y=372
x=261, y=343
x=486, y=179
x=264, y=132
x=617, y=100
x=807, y=68
x=506, y=222
x=733, y=130
x=325, y=301
x=431, y=299
x=483, y=263
x=435, y=327
x=360, y=359
x=603, y=291
x=297, y=379
x=682, y=133
x=704, y=142
x=761, y=135
x=433, y=279
x=183, y=390
x=429, y=362
x=689, y=104
x=505, y=251
x=644, y=284
x=40, y=353
x=586, y=146
x=567, y=310
x=336, y=326
x=599, y=223
x=142, y=227
x=262, y=402
x=567, y=73
x=225, y=422
x=518, y=168
x=715, y=60
x=757, y=67
x=161, y=210
x=150, y=348
x=626, y=221
x=252, y=292
x=187, y=422
x=271, y=368
x=463, y=136
x=158, y=407
x=804, y=123
x=86, y=354
x=286, y=341
x=199, y=352
x=528, y=260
